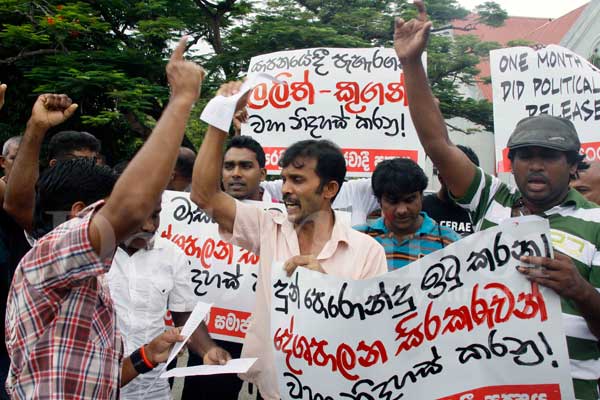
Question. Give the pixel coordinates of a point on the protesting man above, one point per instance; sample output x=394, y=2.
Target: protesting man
x=150, y=275
x=20, y=194
x=13, y=245
x=405, y=231
x=587, y=182
x=243, y=171
x=544, y=152
x=61, y=332
x=355, y=196
x=310, y=236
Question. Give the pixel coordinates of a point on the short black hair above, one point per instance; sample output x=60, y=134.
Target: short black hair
x=69, y=181
x=397, y=177
x=185, y=162
x=331, y=165
x=469, y=153
x=65, y=143
x=246, y=142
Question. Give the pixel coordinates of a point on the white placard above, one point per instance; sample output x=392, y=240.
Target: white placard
x=353, y=97
x=459, y=324
x=552, y=80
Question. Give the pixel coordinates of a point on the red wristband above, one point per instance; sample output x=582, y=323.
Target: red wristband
x=146, y=360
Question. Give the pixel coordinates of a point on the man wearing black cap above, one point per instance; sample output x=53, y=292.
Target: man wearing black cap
x=544, y=152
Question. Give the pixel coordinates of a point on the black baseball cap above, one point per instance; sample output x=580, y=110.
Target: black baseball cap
x=545, y=131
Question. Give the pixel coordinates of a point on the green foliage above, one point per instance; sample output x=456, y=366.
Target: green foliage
x=109, y=55
x=595, y=59
x=490, y=13
x=520, y=42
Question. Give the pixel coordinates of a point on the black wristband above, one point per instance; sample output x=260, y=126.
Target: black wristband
x=138, y=362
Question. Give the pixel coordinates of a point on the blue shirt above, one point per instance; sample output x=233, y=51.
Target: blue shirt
x=430, y=237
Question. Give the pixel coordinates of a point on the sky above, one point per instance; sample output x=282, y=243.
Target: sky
x=531, y=8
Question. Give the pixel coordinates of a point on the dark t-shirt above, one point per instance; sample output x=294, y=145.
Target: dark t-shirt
x=13, y=247
x=448, y=214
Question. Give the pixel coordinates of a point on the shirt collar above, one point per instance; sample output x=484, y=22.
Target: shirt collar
x=574, y=198
x=427, y=226
x=339, y=234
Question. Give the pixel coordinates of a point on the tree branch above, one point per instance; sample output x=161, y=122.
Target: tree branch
x=136, y=125
x=26, y=54
x=466, y=28
x=456, y=128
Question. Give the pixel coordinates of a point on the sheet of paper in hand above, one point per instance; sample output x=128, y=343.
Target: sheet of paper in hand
x=459, y=324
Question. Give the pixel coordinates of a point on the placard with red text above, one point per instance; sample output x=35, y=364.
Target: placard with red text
x=221, y=273
x=552, y=80
x=459, y=324
x=353, y=97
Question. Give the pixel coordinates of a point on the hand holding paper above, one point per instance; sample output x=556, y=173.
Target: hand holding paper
x=230, y=98
x=196, y=317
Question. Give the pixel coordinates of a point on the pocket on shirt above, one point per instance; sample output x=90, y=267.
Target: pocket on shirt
x=162, y=285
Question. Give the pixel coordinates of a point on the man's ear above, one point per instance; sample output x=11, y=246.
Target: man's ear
x=263, y=174
x=2, y=162
x=76, y=208
x=52, y=162
x=331, y=189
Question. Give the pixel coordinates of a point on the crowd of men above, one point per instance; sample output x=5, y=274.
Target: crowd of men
x=86, y=282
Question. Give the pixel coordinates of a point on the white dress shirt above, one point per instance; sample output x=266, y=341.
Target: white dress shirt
x=143, y=286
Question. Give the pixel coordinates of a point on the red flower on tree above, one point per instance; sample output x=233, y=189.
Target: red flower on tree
x=50, y=20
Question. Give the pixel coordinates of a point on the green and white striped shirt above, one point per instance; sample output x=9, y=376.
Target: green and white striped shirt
x=575, y=230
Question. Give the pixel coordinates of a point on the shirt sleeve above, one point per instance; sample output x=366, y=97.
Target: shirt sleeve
x=181, y=297
x=64, y=258
x=376, y=263
x=356, y=195
x=480, y=194
x=247, y=227
x=273, y=188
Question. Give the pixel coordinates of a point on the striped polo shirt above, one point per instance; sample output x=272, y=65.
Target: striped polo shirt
x=430, y=237
x=575, y=231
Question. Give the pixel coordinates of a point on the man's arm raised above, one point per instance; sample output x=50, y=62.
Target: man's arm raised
x=48, y=111
x=140, y=186
x=206, y=180
x=410, y=40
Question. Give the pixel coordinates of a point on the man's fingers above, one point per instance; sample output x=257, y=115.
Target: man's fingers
x=70, y=110
x=534, y=272
x=561, y=257
x=2, y=91
x=399, y=23
x=545, y=262
x=421, y=9
x=229, y=89
x=180, y=49
x=426, y=28
x=544, y=282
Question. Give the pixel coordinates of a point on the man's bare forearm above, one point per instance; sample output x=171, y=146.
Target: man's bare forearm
x=139, y=188
x=19, y=196
x=207, y=168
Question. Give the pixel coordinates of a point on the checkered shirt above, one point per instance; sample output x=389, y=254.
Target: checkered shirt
x=60, y=322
